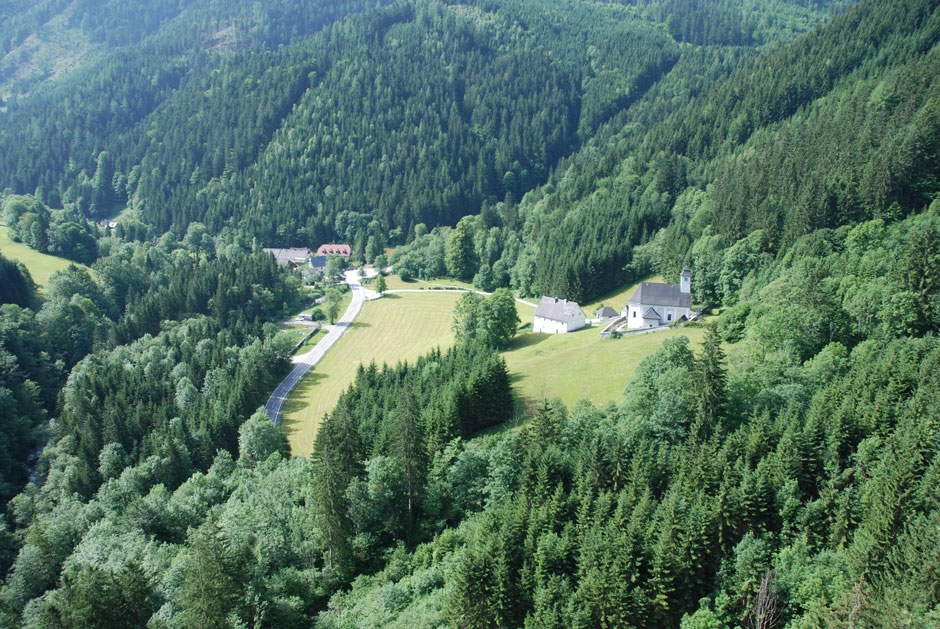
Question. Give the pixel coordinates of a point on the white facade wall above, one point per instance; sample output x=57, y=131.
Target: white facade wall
x=669, y=314
x=550, y=326
x=576, y=322
x=634, y=316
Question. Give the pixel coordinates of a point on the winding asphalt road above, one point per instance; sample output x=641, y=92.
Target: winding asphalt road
x=305, y=362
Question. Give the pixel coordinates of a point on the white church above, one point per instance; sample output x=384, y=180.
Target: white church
x=654, y=304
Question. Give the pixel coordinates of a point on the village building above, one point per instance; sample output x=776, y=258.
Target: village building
x=558, y=316
x=289, y=257
x=654, y=304
x=344, y=251
x=605, y=313
x=319, y=264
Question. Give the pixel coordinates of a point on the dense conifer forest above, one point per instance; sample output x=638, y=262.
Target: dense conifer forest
x=784, y=474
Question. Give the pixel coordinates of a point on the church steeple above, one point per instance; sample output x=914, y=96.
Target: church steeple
x=685, y=281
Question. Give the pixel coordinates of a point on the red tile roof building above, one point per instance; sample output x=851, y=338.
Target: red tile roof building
x=341, y=250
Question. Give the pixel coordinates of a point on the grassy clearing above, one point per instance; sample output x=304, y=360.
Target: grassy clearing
x=394, y=282
x=405, y=326
x=616, y=299
x=581, y=364
x=343, y=304
x=40, y=265
x=122, y=214
x=41, y=59
x=446, y=283
x=310, y=342
x=394, y=328
x=296, y=332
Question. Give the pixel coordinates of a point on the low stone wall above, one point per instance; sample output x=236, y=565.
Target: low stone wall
x=610, y=327
x=313, y=330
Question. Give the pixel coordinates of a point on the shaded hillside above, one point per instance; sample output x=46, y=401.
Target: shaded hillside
x=829, y=130
x=787, y=470
x=416, y=113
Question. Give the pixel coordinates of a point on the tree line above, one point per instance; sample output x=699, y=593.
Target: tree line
x=133, y=293
x=825, y=145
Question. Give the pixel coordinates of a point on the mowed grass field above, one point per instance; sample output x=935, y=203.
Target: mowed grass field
x=581, y=364
x=394, y=282
x=388, y=330
x=405, y=326
x=40, y=265
x=616, y=298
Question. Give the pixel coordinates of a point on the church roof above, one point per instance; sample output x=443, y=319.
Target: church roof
x=556, y=309
x=651, y=314
x=655, y=294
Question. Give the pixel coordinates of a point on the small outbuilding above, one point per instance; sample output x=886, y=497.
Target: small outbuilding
x=558, y=316
x=606, y=313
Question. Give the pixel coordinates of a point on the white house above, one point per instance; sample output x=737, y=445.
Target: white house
x=654, y=304
x=557, y=316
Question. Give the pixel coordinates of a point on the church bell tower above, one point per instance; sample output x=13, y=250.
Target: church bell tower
x=685, y=281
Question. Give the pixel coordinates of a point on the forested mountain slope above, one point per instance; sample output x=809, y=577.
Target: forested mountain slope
x=415, y=113
x=91, y=29
x=788, y=468
x=837, y=127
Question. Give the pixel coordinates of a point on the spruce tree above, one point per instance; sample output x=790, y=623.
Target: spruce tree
x=712, y=383
x=336, y=457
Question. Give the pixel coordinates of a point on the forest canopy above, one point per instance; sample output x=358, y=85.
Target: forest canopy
x=787, y=468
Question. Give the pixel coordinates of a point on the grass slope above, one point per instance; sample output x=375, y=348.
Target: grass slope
x=616, y=299
x=394, y=328
x=405, y=326
x=56, y=50
x=40, y=265
x=394, y=282
x=581, y=364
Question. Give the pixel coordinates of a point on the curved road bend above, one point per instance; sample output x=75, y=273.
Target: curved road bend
x=305, y=362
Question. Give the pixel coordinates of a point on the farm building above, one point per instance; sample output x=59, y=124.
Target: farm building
x=343, y=251
x=557, y=316
x=319, y=264
x=654, y=304
x=605, y=313
x=290, y=257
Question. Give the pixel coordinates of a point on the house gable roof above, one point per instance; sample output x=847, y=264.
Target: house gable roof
x=340, y=250
x=655, y=294
x=556, y=309
x=283, y=256
x=607, y=311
